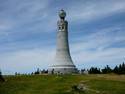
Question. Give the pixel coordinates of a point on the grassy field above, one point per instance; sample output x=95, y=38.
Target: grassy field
x=53, y=84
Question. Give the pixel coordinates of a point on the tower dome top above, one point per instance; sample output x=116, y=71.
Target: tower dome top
x=62, y=14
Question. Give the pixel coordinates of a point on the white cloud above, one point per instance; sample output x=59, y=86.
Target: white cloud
x=24, y=14
x=87, y=11
x=97, y=48
x=100, y=39
x=26, y=60
x=29, y=12
x=5, y=25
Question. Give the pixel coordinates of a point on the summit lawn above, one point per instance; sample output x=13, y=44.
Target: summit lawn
x=62, y=84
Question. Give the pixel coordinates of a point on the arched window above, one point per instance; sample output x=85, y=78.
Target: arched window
x=59, y=27
x=62, y=27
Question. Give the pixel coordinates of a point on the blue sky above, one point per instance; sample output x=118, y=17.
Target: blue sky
x=28, y=33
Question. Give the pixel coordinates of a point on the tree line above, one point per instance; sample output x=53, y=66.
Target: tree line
x=118, y=69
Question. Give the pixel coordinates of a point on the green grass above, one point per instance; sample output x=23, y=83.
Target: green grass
x=52, y=84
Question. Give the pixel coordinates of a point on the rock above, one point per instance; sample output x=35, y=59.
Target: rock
x=79, y=88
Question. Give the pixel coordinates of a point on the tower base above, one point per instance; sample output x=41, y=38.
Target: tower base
x=62, y=70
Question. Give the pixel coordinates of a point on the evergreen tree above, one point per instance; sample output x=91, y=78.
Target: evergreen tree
x=38, y=71
x=94, y=70
x=115, y=70
x=107, y=69
x=1, y=77
x=120, y=69
x=123, y=68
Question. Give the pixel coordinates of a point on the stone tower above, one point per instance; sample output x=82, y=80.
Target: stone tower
x=63, y=62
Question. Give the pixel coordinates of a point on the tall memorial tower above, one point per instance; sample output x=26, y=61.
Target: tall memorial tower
x=63, y=61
